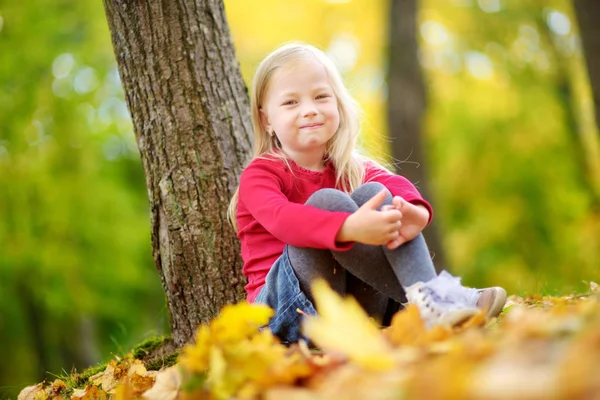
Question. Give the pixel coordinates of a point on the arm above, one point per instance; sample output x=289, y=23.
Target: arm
x=370, y=226
x=398, y=186
x=416, y=212
x=414, y=220
x=262, y=187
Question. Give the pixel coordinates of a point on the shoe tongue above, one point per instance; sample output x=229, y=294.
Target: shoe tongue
x=449, y=289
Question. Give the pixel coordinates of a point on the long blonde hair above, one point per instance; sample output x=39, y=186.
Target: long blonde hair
x=340, y=150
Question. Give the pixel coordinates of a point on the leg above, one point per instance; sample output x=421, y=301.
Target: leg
x=409, y=263
x=310, y=264
x=373, y=302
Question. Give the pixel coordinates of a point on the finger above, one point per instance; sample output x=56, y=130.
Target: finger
x=374, y=202
x=386, y=207
x=390, y=237
x=394, y=244
x=397, y=202
x=393, y=216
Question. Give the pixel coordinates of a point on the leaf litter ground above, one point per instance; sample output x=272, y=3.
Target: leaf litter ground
x=539, y=348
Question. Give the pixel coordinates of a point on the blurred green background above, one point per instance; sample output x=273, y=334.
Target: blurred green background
x=511, y=147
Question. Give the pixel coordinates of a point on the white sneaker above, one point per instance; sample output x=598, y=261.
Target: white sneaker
x=443, y=300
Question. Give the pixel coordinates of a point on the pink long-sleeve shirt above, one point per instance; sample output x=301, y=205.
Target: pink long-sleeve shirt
x=271, y=212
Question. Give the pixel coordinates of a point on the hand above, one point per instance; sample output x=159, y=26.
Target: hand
x=371, y=226
x=414, y=219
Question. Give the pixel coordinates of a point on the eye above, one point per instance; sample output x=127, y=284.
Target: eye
x=289, y=102
x=323, y=96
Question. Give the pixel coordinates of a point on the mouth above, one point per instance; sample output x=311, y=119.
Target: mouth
x=311, y=126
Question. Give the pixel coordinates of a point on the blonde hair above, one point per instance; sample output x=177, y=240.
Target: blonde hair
x=340, y=150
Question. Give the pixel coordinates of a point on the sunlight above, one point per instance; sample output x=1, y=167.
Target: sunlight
x=86, y=80
x=434, y=33
x=489, y=6
x=63, y=65
x=479, y=65
x=61, y=87
x=559, y=23
x=344, y=50
x=113, y=147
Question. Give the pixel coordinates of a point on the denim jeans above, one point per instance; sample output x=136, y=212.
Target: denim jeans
x=282, y=293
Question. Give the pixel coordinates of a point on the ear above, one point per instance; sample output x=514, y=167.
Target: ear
x=264, y=120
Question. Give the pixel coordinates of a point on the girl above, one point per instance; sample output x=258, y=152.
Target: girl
x=308, y=206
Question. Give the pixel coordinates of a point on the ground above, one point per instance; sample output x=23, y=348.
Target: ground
x=539, y=348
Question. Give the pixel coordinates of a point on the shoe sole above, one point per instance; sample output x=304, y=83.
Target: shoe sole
x=498, y=301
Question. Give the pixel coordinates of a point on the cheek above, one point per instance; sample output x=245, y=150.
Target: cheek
x=334, y=115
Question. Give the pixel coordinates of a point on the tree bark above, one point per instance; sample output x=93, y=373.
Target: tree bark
x=191, y=115
x=588, y=17
x=406, y=106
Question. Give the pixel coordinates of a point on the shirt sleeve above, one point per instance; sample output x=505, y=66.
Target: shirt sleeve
x=262, y=193
x=397, y=185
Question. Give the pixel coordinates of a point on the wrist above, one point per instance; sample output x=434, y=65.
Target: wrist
x=345, y=232
x=423, y=213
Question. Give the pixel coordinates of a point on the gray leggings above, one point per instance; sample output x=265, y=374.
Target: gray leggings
x=371, y=274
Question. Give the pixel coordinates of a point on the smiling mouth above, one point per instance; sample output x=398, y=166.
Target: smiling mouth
x=311, y=126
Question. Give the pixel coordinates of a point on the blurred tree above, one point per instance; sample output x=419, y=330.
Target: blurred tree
x=566, y=96
x=190, y=112
x=406, y=106
x=76, y=276
x=588, y=16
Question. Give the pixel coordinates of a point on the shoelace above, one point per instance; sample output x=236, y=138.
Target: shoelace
x=441, y=295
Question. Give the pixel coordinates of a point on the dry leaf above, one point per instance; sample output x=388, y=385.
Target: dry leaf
x=91, y=392
x=166, y=386
x=29, y=392
x=342, y=327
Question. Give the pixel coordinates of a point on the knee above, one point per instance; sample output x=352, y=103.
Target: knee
x=332, y=200
x=367, y=190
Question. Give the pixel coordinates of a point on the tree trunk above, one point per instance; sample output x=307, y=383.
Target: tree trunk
x=190, y=112
x=406, y=105
x=588, y=17
x=566, y=98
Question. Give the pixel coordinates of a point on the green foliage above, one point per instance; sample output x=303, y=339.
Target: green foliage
x=511, y=155
x=512, y=151
x=77, y=280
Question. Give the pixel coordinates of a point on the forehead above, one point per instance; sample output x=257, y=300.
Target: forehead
x=304, y=73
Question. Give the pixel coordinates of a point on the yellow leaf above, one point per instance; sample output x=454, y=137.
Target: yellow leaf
x=194, y=357
x=136, y=368
x=238, y=321
x=91, y=392
x=29, y=392
x=109, y=380
x=41, y=395
x=343, y=327
x=140, y=383
x=235, y=323
x=166, y=386
x=407, y=328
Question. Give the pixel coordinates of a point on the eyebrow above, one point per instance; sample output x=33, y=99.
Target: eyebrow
x=317, y=89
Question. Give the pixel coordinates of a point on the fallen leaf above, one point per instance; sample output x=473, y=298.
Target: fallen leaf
x=29, y=392
x=166, y=386
x=91, y=392
x=342, y=327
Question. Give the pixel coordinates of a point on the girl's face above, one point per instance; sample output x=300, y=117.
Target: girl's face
x=300, y=107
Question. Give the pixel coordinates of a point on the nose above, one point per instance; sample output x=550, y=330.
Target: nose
x=309, y=109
